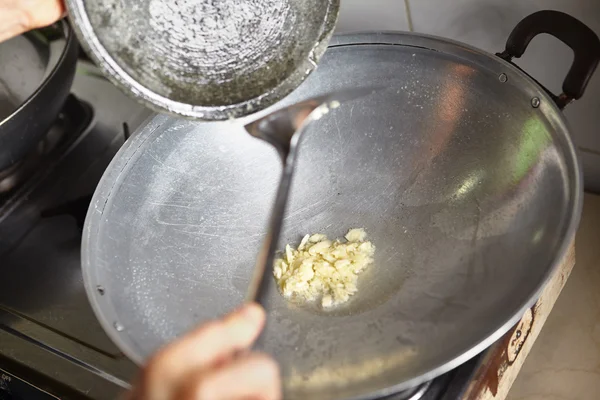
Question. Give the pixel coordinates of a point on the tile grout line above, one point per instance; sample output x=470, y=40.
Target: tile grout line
x=408, y=15
x=588, y=150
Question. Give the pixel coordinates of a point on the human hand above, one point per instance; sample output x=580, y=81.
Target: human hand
x=18, y=16
x=211, y=363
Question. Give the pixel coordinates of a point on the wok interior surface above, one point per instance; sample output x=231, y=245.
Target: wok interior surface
x=466, y=190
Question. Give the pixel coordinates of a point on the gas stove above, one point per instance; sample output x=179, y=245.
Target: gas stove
x=51, y=345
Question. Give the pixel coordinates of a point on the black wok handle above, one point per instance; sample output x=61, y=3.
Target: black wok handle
x=572, y=32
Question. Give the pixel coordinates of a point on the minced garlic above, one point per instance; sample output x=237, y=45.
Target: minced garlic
x=320, y=268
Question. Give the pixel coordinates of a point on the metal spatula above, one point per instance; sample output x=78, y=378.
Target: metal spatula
x=283, y=130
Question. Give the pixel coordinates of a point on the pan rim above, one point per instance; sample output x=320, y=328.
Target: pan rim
x=575, y=200
x=70, y=41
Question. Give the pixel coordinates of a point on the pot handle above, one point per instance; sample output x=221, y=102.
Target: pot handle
x=572, y=32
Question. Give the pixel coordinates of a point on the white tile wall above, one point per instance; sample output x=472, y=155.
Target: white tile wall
x=370, y=15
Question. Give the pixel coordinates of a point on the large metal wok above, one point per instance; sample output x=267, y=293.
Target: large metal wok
x=462, y=171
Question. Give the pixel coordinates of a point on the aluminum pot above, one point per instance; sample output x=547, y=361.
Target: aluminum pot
x=205, y=60
x=462, y=171
x=36, y=73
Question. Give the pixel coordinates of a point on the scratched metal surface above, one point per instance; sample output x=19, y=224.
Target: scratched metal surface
x=205, y=59
x=469, y=193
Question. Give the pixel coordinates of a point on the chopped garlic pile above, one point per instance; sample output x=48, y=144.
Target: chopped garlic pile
x=322, y=268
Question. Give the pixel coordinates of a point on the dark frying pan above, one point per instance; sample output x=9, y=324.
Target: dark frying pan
x=36, y=73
